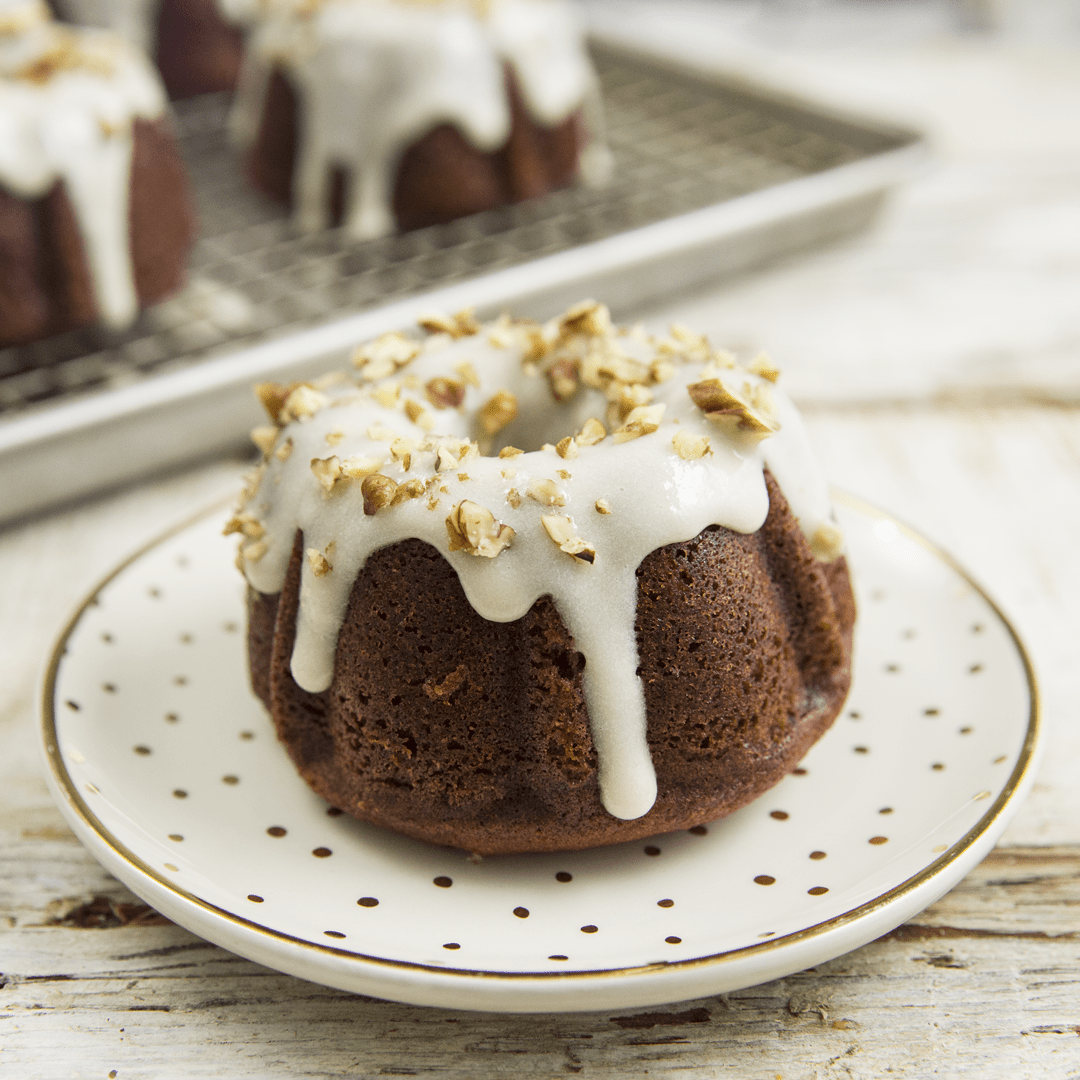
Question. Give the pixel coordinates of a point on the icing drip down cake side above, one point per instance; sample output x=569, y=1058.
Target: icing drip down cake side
x=95, y=222
x=521, y=587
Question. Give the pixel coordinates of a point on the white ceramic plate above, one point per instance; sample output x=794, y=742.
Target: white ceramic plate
x=167, y=768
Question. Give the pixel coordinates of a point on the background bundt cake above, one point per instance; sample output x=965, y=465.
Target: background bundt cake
x=95, y=221
x=638, y=626
x=382, y=113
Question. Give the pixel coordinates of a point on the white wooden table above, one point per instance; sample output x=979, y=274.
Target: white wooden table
x=938, y=359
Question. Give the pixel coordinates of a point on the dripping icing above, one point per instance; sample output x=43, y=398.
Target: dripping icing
x=68, y=100
x=655, y=496
x=374, y=76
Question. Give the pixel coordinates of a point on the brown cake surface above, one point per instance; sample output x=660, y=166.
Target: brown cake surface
x=480, y=732
x=460, y=731
x=198, y=52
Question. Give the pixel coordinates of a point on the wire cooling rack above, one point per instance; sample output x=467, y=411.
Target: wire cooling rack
x=679, y=144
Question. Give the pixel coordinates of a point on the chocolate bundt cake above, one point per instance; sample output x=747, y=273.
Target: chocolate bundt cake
x=378, y=114
x=638, y=624
x=95, y=221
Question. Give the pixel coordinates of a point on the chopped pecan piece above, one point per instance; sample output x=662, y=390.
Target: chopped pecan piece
x=472, y=528
x=750, y=411
x=592, y=432
x=689, y=446
x=643, y=420
x=561, y=530
x=320, y=565
x=498, y=411
x=378, y=491
x=445, y=393
x=545, y=492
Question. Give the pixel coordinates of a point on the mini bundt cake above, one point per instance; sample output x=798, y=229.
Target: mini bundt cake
x=378, y=114
x=95, y=221
x=638, y=623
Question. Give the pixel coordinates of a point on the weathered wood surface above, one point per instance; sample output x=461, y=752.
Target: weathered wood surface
x=939, y=361
x=984, y=983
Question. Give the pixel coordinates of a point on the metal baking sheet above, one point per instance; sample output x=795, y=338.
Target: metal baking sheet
x=711, y=176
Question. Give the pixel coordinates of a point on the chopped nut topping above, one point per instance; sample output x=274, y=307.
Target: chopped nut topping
x=334, y=437
x=602, y=506
x=513, y=497
x=358, y=466
x=627, y=397
x=444, y=489
x=445, y=460
x=272, y=396
x=378, y=491
x=460, y=325
x=283, y=452
x=246, y=524
x=381, y=433
x=411, y=489
x=472, y=528
x=419, y=415
x=433, y=502
x=331, y=547
x=445, y=393
x=591, y=433
x=252, y=479
x=644, y=420
x=381, y=357
x=563, y=474
x=462, y=477
x=264, y=438
x=622, y=369
x=254, y=551
x=302, y=403
x=320, y=566
x=690, y=447
x=508, y=474
x=750, y=412
x=763, y=366
x=827, y=543
x=587, y=317
x=467, y=372
x=331, y=470
x=563, y=379
x=567, y=448
x=510, y=451
x=498, y=411
x=545, y=492
x=387, y=394
x=661, y=370
x=561, y=530
x=327, y=471
x=402, y=450
x=381, y=368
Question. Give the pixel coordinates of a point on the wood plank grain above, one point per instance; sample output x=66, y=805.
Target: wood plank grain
x=988, y=977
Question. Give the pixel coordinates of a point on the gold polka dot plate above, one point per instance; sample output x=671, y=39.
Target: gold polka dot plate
x=168, y=770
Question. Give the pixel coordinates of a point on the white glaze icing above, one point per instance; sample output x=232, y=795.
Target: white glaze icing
x=68, y=99
x=374, y=76
x=655, y=496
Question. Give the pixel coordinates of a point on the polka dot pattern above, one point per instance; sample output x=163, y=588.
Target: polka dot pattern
x=919, y=754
